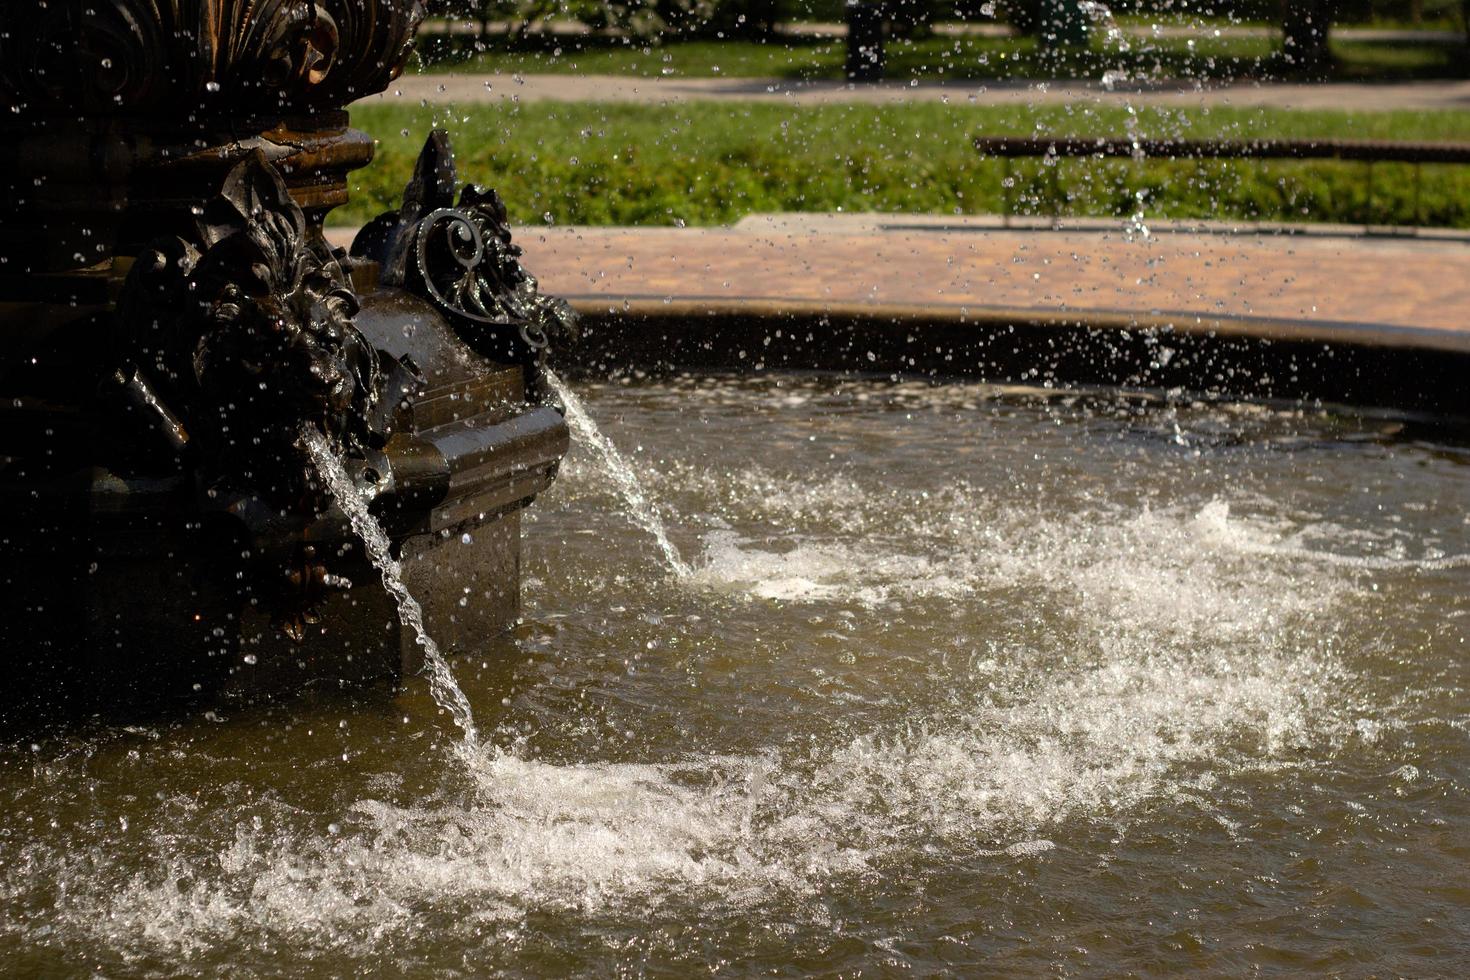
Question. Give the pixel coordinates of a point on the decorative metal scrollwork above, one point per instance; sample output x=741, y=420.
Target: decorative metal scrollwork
x=459, y=256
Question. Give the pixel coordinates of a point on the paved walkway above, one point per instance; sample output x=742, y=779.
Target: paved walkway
x=481, y=89
x=1324, y=280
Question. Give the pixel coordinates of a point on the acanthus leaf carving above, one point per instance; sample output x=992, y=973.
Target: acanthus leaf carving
x=245, y=326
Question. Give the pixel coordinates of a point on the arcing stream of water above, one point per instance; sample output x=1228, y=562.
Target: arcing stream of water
x=446, y=690
x=617, y=467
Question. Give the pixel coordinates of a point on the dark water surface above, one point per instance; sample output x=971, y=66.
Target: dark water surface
x=962, y=679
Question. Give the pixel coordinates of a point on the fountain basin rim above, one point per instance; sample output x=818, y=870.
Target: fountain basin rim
x=1411, y=373
x=1183, y=323
x=872, y=222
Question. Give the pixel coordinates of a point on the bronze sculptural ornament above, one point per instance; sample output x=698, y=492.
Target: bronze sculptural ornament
x=174, y=314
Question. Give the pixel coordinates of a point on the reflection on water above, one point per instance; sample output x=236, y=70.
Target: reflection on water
x=957, y=679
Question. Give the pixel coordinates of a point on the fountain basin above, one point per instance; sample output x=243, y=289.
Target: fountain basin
x=999, y=678
x=1364, y=365
x=1372, y=317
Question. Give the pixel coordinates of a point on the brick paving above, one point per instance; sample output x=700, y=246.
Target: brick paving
x=974, y=267
x=977, y=269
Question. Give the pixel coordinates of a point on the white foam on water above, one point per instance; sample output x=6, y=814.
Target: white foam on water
x=1202, y=645
x=720, y=832
x=1158, y=570
x=1096, y=743
x=819, y=572
x=1179, y=571
x=1025, y=848
x=1160, y=690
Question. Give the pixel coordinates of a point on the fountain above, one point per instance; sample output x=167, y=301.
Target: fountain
x=1067, y=647
x=173, y=315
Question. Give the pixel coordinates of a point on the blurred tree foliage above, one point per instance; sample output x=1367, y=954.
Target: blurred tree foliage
x=1304, y=23
x=1024, y=12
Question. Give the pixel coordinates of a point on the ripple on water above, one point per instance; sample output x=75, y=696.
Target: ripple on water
x=1179, y=644
x=1140, y=714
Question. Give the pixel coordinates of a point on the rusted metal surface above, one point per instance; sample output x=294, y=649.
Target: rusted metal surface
x=71, y=197
x=452, y=246
x=114, y=112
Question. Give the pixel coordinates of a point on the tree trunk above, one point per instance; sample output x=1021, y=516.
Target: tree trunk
x=1304, y=31
x=865, y=61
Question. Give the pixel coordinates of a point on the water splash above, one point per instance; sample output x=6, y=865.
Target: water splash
x=1109, y=682
x=442, y=685
x=1116, y=40
x=618, y=469
x=723, y=833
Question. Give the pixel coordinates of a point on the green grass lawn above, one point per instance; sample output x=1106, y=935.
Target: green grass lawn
x=938, y=58
x=713, y=163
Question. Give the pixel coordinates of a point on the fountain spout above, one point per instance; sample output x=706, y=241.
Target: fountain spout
x=173, y=315
x=457, y=253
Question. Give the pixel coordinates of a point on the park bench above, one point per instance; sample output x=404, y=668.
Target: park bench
x=1368, y=152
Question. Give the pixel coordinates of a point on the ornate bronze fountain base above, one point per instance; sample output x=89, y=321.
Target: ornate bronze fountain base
x=173, y=317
